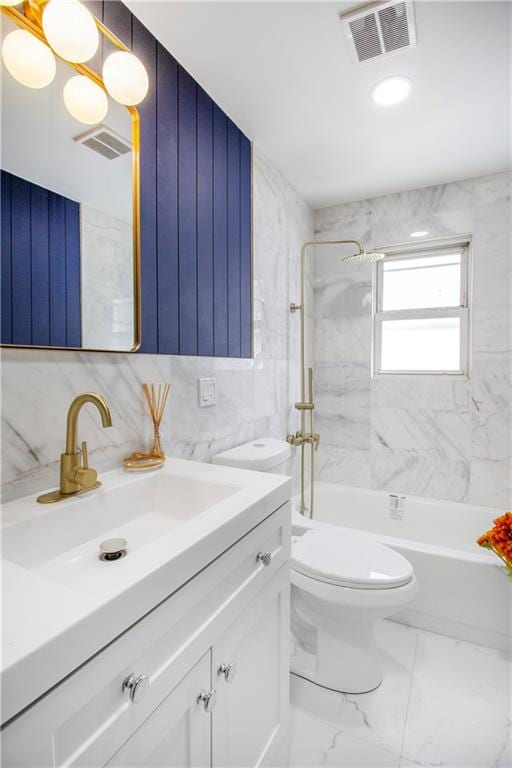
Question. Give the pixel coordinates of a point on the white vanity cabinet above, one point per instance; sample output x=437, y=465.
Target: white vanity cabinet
x=211, y=667
x=177, y=733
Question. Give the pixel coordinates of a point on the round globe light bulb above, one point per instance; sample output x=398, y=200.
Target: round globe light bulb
x=28, y=60
x=71, y=30
x=85, y=100
x=125, y=78
x=391, y=91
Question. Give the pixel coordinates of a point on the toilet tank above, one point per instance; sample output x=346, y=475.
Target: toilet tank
x=265, y=454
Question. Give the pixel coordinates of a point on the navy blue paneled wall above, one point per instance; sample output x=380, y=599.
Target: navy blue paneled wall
x=196, y=256
x=40, y=266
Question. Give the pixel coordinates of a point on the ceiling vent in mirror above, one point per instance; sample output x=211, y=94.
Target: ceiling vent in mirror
x=379, y=29
x=105, y=142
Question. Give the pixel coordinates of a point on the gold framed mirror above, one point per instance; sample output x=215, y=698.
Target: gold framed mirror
x=70, y=205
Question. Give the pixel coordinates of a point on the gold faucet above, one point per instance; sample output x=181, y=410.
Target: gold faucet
x=75, y=474
x=304, y=438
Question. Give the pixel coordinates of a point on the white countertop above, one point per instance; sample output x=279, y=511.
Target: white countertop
x=50, y=628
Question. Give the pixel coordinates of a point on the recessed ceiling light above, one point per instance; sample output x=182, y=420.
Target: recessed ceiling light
x=419, y=233
x=392, y=90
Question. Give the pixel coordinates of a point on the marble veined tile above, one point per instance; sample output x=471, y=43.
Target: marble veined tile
x=336, y=220
x=343, y=465
x=347, y=429
x=342, y=296
x=335, y=376
x=377, y=717
x=491, y=331
x=431, y=395
x=459, y=709
x=492, y=188
x=443, y=434
x=345, y=339
x=420, y=474
x=316, y=743
x=439, y=224
x=492, y=266
x=491, y=407
x=490, y=483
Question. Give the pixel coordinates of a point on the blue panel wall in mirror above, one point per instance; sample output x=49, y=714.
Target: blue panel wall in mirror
x=40, y=265
x=196, y=234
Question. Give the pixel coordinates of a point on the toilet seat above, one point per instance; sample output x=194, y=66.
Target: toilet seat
x=347, y=559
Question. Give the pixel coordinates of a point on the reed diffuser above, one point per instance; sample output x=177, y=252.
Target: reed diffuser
x=156, y=398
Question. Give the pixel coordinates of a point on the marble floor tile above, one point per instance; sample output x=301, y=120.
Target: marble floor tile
x=377, y=717
x=317, y=742
x=459, y=709
x=443, y=702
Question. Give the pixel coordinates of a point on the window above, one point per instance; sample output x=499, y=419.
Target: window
x=421, y=312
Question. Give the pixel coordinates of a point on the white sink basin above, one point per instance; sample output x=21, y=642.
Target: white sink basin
x=62, y=604
x=62, y=544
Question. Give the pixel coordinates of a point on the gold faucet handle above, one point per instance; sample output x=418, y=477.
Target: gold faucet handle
x=85, y=475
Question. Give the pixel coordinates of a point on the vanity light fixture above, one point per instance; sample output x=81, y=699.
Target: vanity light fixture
x=391, y=90
x=70, y=30
x=28, y=60
x=125, y=78
x=85, y=100
x=419, y=233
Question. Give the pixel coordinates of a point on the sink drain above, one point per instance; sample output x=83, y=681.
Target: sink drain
x=112, y=549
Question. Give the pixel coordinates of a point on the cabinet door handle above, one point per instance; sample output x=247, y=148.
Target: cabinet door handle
x=136, y=686
x=228, y=670
x=264, y=558
x=208, y=699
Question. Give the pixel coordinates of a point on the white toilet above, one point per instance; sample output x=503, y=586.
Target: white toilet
x=342, y=582
x=266, y=454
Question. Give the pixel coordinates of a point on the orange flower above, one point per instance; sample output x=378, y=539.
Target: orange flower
x=499, y=539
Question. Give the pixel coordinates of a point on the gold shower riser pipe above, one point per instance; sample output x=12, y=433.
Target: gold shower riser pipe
x=310, y=405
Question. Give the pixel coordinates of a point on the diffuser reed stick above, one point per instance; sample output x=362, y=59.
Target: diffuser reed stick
x=156, y=397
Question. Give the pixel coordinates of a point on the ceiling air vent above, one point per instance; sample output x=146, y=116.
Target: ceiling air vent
x=380, y=29
x=105, y=142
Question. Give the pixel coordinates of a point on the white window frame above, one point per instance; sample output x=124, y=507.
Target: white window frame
x=462, y=245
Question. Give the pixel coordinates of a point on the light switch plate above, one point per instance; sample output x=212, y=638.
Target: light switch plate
x=207, y=392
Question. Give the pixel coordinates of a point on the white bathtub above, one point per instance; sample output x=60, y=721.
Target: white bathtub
x=464, y=591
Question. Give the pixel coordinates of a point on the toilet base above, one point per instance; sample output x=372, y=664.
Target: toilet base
x=345, y=660
x=326, y=687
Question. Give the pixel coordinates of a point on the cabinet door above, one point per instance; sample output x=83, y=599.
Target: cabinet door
x=250, y=721
x=178, y=732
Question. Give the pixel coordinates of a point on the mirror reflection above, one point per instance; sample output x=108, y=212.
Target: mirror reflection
x=67, y=220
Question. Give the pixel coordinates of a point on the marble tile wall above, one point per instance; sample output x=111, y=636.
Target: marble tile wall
x=445, y=439
x=106, y=249
x=253, y=396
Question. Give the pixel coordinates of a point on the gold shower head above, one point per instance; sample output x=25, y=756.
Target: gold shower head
x=364, y=257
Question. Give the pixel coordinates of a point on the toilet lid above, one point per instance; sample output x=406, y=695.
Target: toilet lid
x=349, y=560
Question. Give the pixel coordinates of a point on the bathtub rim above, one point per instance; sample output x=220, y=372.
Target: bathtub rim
x=299, y=522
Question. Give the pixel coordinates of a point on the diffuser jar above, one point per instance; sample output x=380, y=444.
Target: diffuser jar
x=156, y=444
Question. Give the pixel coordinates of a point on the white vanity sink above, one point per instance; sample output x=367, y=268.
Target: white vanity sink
x=62, y=604
x=62, y=543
